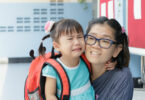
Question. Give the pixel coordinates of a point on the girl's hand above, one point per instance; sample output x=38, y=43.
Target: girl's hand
x=110, y=65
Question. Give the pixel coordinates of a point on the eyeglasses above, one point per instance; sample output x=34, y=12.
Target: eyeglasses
x=103, y=43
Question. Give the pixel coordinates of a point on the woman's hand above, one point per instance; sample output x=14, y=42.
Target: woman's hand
x=110, y=65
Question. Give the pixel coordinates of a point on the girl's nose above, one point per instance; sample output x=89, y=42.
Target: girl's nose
x=77, y=41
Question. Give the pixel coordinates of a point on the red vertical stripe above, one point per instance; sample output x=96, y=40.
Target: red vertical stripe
x=113, y=9
x=101, y=2
x=106, y=1
x=107, y=8
x=136, y=30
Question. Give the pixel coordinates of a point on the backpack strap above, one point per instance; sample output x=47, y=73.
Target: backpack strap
x=87, y=63
x=65, y=84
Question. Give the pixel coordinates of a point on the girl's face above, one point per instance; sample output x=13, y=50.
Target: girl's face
x=94, y=53
x=70, y=46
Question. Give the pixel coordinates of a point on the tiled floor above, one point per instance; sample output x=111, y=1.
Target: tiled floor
x=12, y=79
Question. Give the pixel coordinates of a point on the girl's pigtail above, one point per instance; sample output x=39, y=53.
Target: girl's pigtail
x=53, y=55
x=31, y=53
x=41, y=49
x=48, y=29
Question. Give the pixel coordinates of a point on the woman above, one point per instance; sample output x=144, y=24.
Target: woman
x=105, y=40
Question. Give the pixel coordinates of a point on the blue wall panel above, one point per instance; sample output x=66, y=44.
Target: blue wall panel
x=22, y=24
x=135, y=65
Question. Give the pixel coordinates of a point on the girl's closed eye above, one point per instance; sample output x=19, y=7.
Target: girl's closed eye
x=70, y=38
x=80, y=36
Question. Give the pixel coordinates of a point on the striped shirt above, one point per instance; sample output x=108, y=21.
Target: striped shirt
x=114, y=85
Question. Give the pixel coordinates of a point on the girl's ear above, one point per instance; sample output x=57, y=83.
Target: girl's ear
x=117, y=50
x=56, y=46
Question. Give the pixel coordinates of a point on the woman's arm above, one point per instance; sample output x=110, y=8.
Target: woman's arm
x=50, y=89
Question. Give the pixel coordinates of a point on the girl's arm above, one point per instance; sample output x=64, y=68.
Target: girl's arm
x=110, y=65
x=50, y=89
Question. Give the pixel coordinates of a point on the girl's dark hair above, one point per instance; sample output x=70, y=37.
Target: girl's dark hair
x=62, y=27
x=120, y=37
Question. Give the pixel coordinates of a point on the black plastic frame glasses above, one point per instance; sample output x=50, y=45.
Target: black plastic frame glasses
x=103, y=43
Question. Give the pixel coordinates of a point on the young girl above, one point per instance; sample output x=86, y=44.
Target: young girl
x=68, y=39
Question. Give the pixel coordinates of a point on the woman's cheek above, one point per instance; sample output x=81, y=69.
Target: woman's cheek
x=88, y=56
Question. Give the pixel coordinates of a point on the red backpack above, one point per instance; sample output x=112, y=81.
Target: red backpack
x=35, y=82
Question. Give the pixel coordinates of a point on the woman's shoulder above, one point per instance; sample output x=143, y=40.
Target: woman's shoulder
x=123, y=74
x=123, y=71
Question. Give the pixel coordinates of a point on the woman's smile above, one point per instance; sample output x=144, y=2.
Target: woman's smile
x=94, y=53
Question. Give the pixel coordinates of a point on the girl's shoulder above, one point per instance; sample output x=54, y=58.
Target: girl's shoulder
x=49, y=71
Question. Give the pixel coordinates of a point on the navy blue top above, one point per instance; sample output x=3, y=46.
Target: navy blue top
x=114, y=85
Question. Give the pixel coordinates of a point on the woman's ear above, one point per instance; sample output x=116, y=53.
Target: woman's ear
x=118, y=49
x=56, y=45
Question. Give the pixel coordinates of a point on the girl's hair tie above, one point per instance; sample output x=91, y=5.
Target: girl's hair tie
x=48, y=26
x=123, y=30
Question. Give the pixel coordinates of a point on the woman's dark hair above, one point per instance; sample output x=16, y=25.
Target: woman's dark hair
x=120, y=37
x=62, y=27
